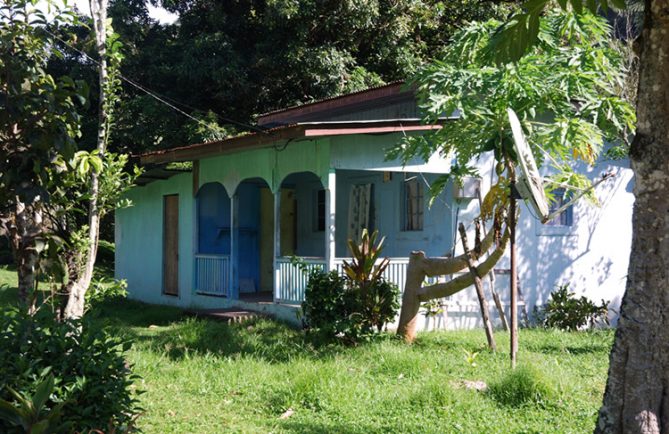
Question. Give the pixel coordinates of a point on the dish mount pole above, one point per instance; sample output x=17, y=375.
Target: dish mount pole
x=514, y=272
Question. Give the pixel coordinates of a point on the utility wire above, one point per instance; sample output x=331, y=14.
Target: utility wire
x=158, y=97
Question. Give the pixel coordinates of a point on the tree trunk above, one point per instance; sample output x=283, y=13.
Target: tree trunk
x=421, y=267
x=636, y=398
x=77, y=294
x=27, y=226
x=483, y=303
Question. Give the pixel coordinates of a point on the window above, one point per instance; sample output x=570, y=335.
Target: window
x=566, y=217
x=320, y=211
x=412, y=205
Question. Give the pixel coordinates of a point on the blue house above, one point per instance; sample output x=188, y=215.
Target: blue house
x=223, y=233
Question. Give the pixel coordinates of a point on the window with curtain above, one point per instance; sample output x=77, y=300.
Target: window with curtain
x=412, y=209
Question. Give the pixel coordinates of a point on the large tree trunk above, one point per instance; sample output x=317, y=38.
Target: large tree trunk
x=637, y=392
x=77, y=291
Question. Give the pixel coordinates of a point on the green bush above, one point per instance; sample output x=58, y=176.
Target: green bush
x=325, y=307
x=105, y=289
x=566, y=312
x=523, y=385
x=356, y=306
x=92, y=384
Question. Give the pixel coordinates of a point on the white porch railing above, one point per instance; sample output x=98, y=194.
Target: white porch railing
x=396, y=272
x=212, y=274
x=292, y=278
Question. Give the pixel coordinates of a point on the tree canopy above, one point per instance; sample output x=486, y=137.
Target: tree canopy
x=566, y=90
x=224, y=62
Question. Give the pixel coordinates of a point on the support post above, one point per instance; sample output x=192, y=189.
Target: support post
x=491, y=276
x=485, y=312
x=513, y=277
x=234, y=250
x=330, y=207
x=277, y=244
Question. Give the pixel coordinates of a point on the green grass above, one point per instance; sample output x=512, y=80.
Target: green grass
x=209, y=377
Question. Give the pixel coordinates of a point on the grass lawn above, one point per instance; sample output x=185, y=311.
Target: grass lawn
x=209, y=377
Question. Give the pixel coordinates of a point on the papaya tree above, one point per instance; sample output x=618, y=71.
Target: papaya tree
x=635, y=399
x=566, y=91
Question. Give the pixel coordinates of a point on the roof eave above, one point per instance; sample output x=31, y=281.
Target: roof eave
x=310, y=130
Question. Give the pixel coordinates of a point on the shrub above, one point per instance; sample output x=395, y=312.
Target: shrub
x=325, y=306
x=566, y=312
x=525, y=384
x=105, y=289
x=92, y=384
x=356, y=306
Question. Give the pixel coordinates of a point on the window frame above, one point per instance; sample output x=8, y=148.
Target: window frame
x=407, y=215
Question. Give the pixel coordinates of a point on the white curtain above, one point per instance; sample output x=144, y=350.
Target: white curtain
x=358, y=210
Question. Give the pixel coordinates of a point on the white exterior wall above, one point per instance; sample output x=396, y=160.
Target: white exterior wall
x=592, y=255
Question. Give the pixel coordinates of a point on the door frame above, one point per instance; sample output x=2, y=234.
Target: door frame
x=175, y=252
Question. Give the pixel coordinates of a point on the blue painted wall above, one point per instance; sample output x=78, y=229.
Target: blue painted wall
x=139, y=241
x=435, y=239
x=213, y=219
x=249, y=221
x=310, y=241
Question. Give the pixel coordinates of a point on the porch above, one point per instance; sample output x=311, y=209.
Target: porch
x=259, y=244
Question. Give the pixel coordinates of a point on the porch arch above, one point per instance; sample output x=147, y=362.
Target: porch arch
x=213, y=240
x=213, y=219
x=302, y=215
x=253, y=236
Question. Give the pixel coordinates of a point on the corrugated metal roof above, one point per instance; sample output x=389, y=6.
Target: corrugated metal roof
x=370, y=91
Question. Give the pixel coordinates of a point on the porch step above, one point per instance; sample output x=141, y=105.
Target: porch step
x=230, y=315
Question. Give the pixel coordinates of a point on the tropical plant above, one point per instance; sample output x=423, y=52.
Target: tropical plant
x=567, y=312
x=567, y=91
x=633, y=402
x=30, y=412
x=363, y=271
x=354, y=306
x=92, y=386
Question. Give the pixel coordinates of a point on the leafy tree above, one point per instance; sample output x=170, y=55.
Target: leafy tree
x=565, y=91
x=55, y=193
x=635, y=400
x=224, y=62
x=39, y=125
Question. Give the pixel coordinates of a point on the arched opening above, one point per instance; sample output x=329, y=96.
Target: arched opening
x=212, y=260
x=302, y=221
x=255, y=232
x=302, y=216
x=213, y=219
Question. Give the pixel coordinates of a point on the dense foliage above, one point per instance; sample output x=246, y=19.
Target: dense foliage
x=567, y=91
x=565, y=311
x=357, y=305
x=92, y=381
x=224, y=62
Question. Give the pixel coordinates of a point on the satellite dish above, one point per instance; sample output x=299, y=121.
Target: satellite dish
x=530, y=182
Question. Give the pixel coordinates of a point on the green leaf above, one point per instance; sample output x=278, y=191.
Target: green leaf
x=10, y=413
x=42, y=393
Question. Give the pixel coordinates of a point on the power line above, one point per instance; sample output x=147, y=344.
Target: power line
x=161, y=98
